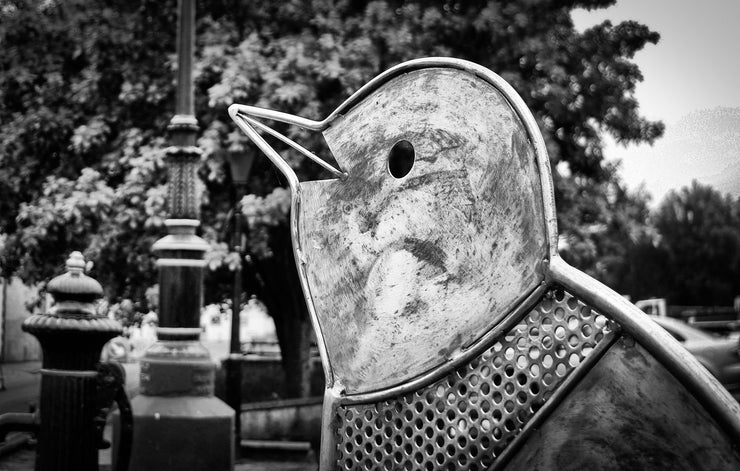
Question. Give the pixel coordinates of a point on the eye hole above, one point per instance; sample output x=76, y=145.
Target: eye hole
x=401, y=159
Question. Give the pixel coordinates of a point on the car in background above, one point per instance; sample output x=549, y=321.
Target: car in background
x=719, y=355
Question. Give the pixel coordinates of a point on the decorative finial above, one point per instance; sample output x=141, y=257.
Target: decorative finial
x=76, y=263
x=73, y=310
x=73, y=291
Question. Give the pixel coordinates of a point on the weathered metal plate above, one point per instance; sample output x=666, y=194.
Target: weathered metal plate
x=628, y=412
x=403, y=272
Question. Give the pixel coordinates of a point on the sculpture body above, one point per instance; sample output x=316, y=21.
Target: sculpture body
x=451, y=332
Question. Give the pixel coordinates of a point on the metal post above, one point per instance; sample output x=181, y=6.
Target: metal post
x=179, y=423
x=72, y=403
x=240, y=167
x=235, y=342
x=233, y=365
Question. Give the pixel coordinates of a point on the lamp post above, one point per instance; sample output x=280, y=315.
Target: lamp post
x=240, y=167
x=178, y=422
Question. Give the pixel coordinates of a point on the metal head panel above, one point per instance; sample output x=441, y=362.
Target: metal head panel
x=405, y=271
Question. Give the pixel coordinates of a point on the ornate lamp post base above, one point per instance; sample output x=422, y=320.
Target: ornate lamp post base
x=193, y=433
x=178, y=423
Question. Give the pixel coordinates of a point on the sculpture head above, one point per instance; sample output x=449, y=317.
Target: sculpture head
x=434, y=227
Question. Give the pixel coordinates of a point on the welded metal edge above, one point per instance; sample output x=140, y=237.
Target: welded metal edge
x=515, y=101
x=328, y=449
x=295, y=204
x=485, y=332
x=676, y=359
x=235, y=114
x=458, y=358
x=300, y=261
x=556, y=399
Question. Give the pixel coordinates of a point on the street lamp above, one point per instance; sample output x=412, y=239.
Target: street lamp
x=178, y=422
x=240, y=167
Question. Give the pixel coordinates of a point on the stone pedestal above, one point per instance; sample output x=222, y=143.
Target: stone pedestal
x=178, y=422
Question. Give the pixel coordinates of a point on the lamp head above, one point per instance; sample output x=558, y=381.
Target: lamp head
x=240, y=166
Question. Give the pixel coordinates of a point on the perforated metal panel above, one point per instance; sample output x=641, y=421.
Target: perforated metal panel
x=466, y=419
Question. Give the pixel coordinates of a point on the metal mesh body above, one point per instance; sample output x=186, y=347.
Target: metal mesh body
x=466, y=419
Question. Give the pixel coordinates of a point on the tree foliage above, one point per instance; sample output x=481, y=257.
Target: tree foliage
x=86, y=91
x=603, y=222
x=700, y=236
x=689, y=252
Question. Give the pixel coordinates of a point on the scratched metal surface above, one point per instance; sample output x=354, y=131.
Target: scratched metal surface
x=404, y=272
x=628, y=412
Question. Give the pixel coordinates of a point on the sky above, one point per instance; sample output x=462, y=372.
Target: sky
x=692, y=84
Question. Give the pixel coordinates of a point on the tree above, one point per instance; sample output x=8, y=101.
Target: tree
x=83, y=93
x=604, y=223
x=700, y=233
x=687, y=250
x=87, y=92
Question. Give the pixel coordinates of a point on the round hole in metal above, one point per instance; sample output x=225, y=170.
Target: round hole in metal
x=401, y=159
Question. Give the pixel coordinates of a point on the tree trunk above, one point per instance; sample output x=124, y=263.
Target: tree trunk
x=277, y=285
x=295, y=346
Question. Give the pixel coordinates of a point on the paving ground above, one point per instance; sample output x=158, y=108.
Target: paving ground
x=21, y=381
x=23, y=460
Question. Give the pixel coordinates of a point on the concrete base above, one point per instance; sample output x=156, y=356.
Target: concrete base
x=182, y=432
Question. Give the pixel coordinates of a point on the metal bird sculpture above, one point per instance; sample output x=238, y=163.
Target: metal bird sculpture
x=448, y=326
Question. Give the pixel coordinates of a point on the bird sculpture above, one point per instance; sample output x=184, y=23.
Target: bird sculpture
x=449, y=328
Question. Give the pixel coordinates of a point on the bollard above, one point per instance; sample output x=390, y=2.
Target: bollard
x=77, y=391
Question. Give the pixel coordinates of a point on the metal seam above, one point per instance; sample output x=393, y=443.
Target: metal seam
x=659, y=343
x=570, y=382
x=483, y=342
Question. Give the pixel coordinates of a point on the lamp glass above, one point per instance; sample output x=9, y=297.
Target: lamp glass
x=240, y=165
